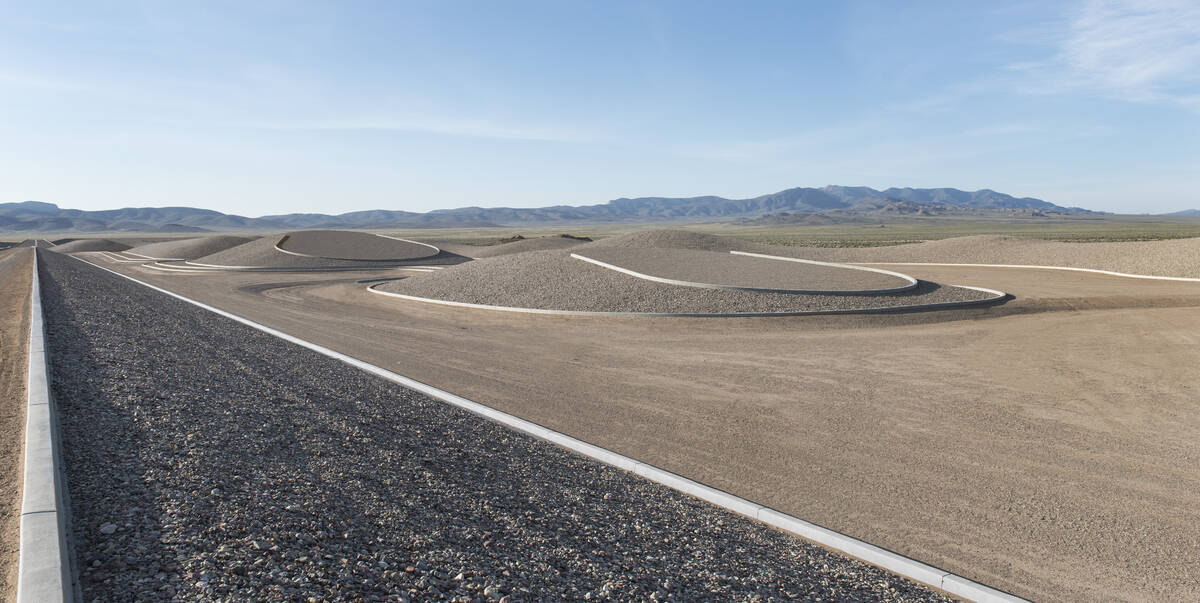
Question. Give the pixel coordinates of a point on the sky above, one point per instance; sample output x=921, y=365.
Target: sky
x=285, y=106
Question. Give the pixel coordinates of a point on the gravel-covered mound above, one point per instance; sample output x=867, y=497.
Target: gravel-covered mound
x=190, y=249
x=726, y=269
x=350, y=245
x=523, y=245
x=209, y=461
x=552, y=280
x=673, y=239
x=1175, y=257
x=90, y=245
x=261, y=253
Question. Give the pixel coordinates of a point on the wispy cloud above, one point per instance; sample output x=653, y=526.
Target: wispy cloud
x=1141, y=51
x=467, y=127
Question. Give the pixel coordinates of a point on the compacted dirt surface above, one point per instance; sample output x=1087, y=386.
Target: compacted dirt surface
x=15, y=272
x=1047, y=446
x=210, y=461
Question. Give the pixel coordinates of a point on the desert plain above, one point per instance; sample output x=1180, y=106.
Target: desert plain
x=1043, y=441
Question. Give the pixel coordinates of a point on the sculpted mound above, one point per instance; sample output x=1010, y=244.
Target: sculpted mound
x=554, y=280
x=1175, y=257
x=349, y=245
x=90, y=245
x=189, y=249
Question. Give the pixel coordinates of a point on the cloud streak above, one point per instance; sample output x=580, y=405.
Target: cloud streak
x=469, y=128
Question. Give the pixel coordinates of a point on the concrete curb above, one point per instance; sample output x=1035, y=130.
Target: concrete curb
x=996, y=296
x=44, y=566
x=894, y=562
x=1186, y=279
x=912, y=282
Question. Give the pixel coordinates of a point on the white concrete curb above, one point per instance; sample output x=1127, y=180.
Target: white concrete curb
x=911, y=282
x=995, y=296
x=904, y=566
x=44, y=565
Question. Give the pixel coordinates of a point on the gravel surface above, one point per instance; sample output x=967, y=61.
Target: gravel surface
x=190, y=249
x=350, y=245
x=723, y=268
x=1176, y=257
x=91, y=245
x=15, y=269
x=209, y=461
x=261, y=253
x=553, y=280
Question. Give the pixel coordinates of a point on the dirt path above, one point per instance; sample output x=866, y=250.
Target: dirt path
x=1046, y=447
x=14, y=337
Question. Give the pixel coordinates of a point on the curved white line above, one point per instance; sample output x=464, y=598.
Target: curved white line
x=1068, y=268
x=996, y=296
x=912, y=282
x=891, y=561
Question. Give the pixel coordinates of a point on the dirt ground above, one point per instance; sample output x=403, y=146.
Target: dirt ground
x=1047, y=447
x=15, y=272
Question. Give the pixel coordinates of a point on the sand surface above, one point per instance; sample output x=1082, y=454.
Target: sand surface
x=1046, y=446
x=189, y=249
x=726, y=269
x=552, y=280
x=91, y=245
x=350, y=245
x=15, y=271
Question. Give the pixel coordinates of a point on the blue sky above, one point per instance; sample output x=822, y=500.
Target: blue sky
x=283, y=106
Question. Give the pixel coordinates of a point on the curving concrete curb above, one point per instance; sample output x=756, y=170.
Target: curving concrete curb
x=996, y=296
x=911, y=282
x=44, y=564
x=895, y=562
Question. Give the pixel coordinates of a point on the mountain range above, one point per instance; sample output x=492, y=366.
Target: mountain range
x=34, y=216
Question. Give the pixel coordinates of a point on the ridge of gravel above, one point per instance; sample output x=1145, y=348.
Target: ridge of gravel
x=192, y=248
x=91, y=245
x=353, y=246
x=726, y=269
x=1173, y=257
x=210, y=461
x=552, y=280
x=261, y=253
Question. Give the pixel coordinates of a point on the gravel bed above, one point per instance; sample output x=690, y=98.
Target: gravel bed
x=552, y=280
x=190, y=249
x=261, y=253
x=350, y=245
x=208, y=461
x=90, y=245
x=1175, y=257
x=722, y=268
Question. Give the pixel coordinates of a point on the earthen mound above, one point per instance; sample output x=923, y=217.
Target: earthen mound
x=90, y=245
x=189, y=249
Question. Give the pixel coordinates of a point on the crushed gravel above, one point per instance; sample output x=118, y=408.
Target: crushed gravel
x=726, y=269
x=261, y=253
x=208, y=461
x=552, y=280
x=1175, y=257
x=350, y=245
x=90, y=245
x=190, y=249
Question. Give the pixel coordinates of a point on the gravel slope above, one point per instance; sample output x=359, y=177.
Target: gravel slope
x=90, y=245
x=553, y=280
x=721, y=268
x=350, y=245
x=262, y=253
x=1177, y=257
x=208, y=461
x=190, y=249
